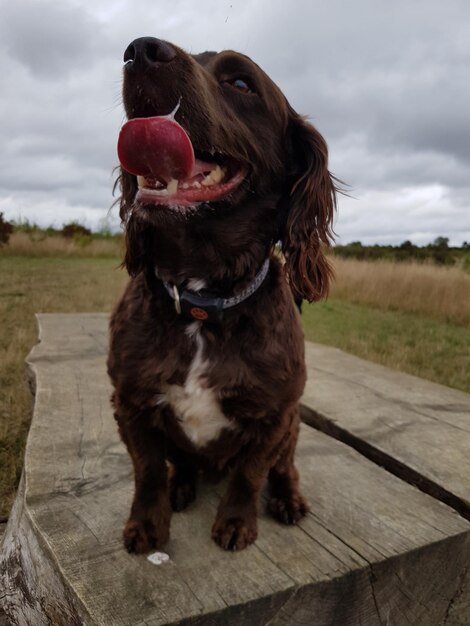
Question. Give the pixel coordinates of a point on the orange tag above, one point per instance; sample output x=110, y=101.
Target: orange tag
x=199, y=314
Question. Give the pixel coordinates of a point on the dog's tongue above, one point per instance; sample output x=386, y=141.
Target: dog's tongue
x=156, y=147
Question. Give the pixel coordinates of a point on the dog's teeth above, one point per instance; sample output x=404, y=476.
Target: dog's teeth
x=140, y=181
x=214, y=177
x=217, y=174
x=172, y=187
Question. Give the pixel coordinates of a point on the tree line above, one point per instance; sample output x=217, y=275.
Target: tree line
x=72, y=230
x=438, y=252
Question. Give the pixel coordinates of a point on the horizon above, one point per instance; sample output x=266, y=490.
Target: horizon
x=105, y=229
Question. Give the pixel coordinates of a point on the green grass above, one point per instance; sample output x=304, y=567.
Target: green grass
x=409, y=342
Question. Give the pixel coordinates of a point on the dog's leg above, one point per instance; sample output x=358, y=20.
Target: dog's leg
x=286, y=503
x=235, y=526
x=183, y=478
x=149, y=521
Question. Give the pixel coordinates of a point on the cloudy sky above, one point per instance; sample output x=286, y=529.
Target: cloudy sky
x=387, y=84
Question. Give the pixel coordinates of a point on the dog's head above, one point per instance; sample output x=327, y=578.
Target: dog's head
x=237, y=158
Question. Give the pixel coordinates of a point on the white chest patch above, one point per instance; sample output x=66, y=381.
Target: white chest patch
x=195, y=404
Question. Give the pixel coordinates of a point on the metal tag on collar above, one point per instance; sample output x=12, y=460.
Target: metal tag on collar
x=176, y=296
x=201, y=309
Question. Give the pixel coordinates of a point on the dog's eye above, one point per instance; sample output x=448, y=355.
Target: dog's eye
x=239, y=84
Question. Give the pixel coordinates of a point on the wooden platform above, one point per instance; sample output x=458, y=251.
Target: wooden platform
x=374, y=550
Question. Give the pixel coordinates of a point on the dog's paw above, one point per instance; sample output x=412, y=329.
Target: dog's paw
x=288, y=510
x=141, y=536
x=234, y=533
x=182, y=493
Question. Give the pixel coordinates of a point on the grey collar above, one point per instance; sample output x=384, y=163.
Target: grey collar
x=207, y=307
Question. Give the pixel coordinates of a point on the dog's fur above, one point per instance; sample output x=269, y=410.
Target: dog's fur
x=194, y=395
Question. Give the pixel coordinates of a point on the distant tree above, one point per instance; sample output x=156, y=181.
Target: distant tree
x=74, y=229
x=5, y=230
x=466, y=245
x=441, y=253
x=441, y=242
x=355, y=244
x=407, y=245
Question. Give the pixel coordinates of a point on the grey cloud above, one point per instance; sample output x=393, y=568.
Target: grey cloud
x=385, y=83
x=367, y=164
x=49, y=38
x=414, y=215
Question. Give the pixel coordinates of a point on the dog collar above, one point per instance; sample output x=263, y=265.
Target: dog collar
x=206, y=307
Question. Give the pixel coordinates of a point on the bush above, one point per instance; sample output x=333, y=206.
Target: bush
x=5, y=230
x=74, y=230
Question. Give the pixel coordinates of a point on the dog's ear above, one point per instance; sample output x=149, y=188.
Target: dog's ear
x=309, y=207
x=126, y=184
x=135, y=255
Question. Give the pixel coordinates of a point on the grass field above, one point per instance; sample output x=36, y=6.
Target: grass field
x=440, y=292
x=375, y=311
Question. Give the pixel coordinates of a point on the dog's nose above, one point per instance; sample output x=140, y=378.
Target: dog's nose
x=148, y=52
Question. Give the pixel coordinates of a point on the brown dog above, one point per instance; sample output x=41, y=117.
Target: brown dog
x=206, y=353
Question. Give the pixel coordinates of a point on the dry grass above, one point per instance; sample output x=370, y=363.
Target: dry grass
x=39, y=245
x=438, y=292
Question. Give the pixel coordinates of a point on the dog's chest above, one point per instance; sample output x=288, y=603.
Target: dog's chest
x=195, y=404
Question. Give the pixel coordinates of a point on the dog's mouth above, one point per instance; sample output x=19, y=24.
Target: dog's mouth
x=169, y=171
x=207, y=182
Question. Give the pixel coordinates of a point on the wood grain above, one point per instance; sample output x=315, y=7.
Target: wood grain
x=416, y=429
x=411, y=426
